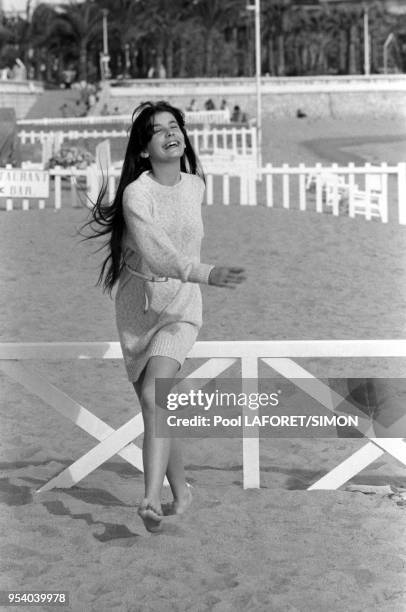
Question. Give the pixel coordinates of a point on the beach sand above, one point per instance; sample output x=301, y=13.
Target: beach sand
x=279, y=548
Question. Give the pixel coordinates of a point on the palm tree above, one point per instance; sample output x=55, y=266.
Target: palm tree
x=43, y=41
x=79, y=25
x=125, y=31
x=165, y=21
x=214, y=16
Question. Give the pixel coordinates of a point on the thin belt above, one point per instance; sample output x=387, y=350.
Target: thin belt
x=145, y=277
x=153, y=279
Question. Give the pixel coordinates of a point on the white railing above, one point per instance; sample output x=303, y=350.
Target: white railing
x=200, y=116
x=370, y=191
x=34, y=136
x=235, y=140
x=278, y=355
x=332, y=186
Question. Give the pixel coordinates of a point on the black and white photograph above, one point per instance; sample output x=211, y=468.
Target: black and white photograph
x=203, y=305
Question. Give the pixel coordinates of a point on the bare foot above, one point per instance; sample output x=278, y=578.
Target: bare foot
x=180, y=506
x=151, y=516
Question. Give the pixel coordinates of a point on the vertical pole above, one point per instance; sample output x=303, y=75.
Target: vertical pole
x=105, y=37
x=367, y=62
x=258, y=81
x=105, y=56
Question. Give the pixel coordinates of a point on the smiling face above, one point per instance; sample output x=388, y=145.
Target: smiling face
x=167, y=143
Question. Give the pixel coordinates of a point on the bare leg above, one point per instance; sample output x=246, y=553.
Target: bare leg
x=160, y=455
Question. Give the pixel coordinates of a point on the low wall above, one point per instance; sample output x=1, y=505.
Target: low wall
x=337, y=97
x=20, y=95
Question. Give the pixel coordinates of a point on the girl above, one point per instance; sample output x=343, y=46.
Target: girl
x=154, y=231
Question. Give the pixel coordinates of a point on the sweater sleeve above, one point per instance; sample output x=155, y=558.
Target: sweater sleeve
x=155, y=245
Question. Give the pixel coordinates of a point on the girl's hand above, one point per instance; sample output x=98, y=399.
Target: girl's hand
x=222, y=276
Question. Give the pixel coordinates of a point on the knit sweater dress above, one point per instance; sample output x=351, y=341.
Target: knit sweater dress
x=162, y=240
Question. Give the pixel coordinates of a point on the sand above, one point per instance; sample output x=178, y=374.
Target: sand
x=279, y=548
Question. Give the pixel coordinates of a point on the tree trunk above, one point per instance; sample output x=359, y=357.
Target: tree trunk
x=271, y=57
x=83, y=61
x=322, y=60
x=281, y=55
x=297, y=68
x=304, y=52
x=182, y=58
x=169, y=58
x=352, y=50
x=234, y=47
x=342, y=53
x=208, y=67
x=159, y=58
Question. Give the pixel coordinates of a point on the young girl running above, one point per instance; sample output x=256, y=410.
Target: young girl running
x=154, y=230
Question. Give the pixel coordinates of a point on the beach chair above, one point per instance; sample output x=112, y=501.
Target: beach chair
x=371, y=201
x=333, y=188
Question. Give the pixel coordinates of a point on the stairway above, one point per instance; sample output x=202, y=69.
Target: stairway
x=49, y=103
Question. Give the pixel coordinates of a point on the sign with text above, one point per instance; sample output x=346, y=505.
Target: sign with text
x=19, y=183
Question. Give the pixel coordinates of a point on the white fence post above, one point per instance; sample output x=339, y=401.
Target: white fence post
x=285, y=187
x=269, y=185
x=384, y=185
x=302, y=187
x=351, y=188
x=319, y=189
x=226, y=189
x=58, y=189
x=92, y=183
x=402, y=192
x=335, y=202
x=209, y=192
x=250, y=442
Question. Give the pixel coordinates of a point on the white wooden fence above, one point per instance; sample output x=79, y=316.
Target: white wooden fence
x=233, y=140
x=339, y=185
x=278, y=355
x=200, y=116
x=233, y=180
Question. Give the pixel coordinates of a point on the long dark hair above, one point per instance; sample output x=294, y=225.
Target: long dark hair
x=108, y=219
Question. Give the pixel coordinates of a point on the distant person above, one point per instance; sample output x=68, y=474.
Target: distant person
x=116, y=110
x=224, y=107
x=91, y=100
x=64, y=110
x=209, y=105
x=68, y=75
x=80, y=109
x=151, y=72
x=161, y=71
x=19, y=70
x=238, y=116
x=192, y=106
x=105, y=110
